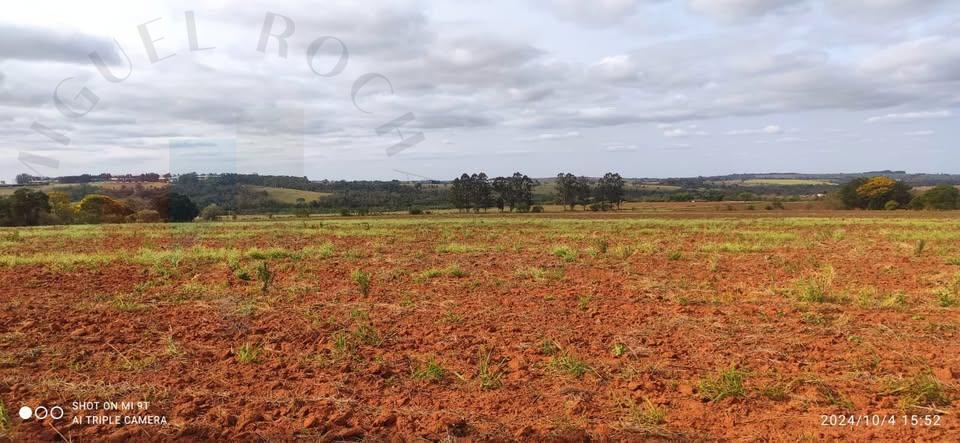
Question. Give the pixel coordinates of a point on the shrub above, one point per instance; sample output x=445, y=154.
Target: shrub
x=416, y=211
x=891, y=205
x=537, y=209
x=212, y=212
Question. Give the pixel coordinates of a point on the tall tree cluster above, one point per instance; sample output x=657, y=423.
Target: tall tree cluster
x=477, y=191
x=573, y=190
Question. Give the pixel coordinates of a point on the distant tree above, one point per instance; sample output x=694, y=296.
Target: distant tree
x=501, y=186
x=181, y=208
x=572, y=190
x=212, y=212
x=62, y=208
x=581, y=187
x=480, y=192
x=521, y=191
x=942, y=197
x=566, y=187
x=6, y=219
x=460, y=193
x=27, y=207
x=874, y=193
x=96, y=208
x=302, y=210
x=610, y=189
x=849, y=196
x=514, y=191
x=188, y=179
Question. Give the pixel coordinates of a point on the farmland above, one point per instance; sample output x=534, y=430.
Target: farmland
x=679, y=325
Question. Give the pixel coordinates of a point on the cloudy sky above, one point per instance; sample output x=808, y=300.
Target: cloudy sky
x=649, y=88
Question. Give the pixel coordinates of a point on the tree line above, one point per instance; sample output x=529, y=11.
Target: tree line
x=477, y=191
x=28, y=207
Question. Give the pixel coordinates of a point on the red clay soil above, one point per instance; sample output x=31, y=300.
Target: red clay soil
x=335, y=364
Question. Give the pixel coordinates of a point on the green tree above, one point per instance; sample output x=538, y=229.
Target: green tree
x=27, y=207
x=181, y=208
x=942, y=197
x=581, y=188
x=521, y=191
x=62, y=207
x=5, y=216
x=501, y=186
x=514, y=192
x=566, y=187
x=96, y=208
x=874, y=193
x=610, y=189
x=460, y=194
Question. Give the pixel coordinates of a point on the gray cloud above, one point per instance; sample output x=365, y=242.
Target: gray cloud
x=483, y=83
x=34, y=44
x=593, y=13
x=735, y=9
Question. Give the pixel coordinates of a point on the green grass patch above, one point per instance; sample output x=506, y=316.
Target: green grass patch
x=248, y=353
x=919, y=391
x=568, y=363
x=724, y=383
x=430, y=371
x=566, y=253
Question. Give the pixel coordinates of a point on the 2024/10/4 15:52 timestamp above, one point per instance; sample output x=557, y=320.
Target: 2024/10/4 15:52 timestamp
x=880, y=420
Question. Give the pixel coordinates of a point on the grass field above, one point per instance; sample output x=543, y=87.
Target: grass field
x=286, y=195
x=777, y=182
x=5, y=191
x=699, y=327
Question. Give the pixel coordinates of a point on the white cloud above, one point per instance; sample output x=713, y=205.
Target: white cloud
x=770, y=129
x=593, y=13
x=928, y=59
x=908, y=116
x=620, y=147
x=918, y=133
x=735, y=9
x=616, y=68
x=550, y=136
x=680, y=132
